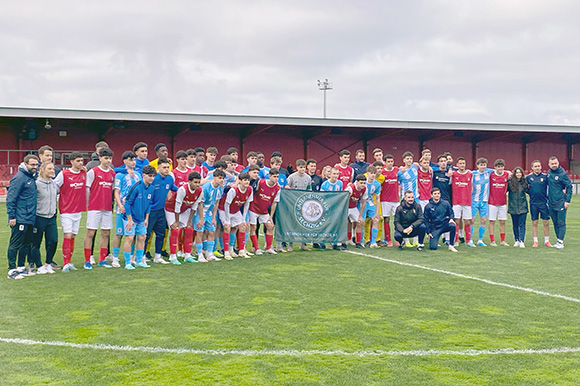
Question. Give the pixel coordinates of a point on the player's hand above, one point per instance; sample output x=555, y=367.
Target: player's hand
x=452, y=222
x=361, y=220
x=189, y=224
x=200, y=225
x=450, y=173
x=429, y=235
x=146, y=223
x=12, y=222
x=129, y=225
x=122, y=208
x=408, y=230
x=377, y=217
x=174, y=225
x=566, y=205
x=270, y=221
x=214, y=223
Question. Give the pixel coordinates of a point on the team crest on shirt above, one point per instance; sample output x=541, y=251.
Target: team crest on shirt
x=556, y=178
x=149, y=196
x=312, y=210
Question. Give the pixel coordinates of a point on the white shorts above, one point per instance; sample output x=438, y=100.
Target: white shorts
x=256, y=218
x=497, y=212
x=236, y=219
x=183, y=217
x=104, y=218
x=222, y=216
x=70, y=222
x=462, y=211
x=423, y=204
x=353, y=214
x=389, y=208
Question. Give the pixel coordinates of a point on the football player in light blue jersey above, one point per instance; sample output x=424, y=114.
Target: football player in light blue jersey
x=333, y=184
x=211, y=192
x=479, y=198
x=371, y=212
x=407, y=175
x=123, y=183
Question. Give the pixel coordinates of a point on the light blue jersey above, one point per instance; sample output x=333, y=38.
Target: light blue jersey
x=328, y=186
x=124, y=182
x=408, y=181
x=210, y=196
x=480, y=192
x=264, y=173
x=373, y=189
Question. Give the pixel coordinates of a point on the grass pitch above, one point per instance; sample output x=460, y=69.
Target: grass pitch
x=302, y=318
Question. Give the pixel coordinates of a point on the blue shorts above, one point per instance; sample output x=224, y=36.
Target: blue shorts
x=208, y=218
x=541, y=210
x=119, y=225
x=369, y=212
x=480, y=206
x=138, y=229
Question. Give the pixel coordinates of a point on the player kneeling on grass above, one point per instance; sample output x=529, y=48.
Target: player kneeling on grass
x=370, y=211
x=267, y=196
x=137, y=208
x=357, y=201
x=408, y=220
x=438, y=219
x=186, y=211
x=233, y=217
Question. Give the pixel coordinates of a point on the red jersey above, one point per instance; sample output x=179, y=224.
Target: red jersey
x=73, y=191
x=202, y=170
x=100, y=183
x=237, y=199
x=461, y=187
x=356, y=195
x=498, y=188
x=425, y=184
x=180, y=177
x=265, y=196
x=184, y=199
x=239, y=168
x=345, y=174
x=390, y=188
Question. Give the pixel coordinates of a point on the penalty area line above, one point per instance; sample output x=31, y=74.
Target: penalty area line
x=486, y=281
x=292, y=353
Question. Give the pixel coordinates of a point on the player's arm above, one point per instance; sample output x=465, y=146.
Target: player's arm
x=177, y=210
x=247, y=206
x=274, y=206
x=189, y=222
x=90, y=179
x=13, y=194
x=567, y=190
x=214, y=213
x=200, y=211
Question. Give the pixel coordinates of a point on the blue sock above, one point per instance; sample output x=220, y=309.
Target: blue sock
x=221, y=242
x=206, y=246
x=139, y=256
x=210, y=246
x=116, y=252
x=481, y=232
x=127, y=256
x=471, y=235
x=199, y=248
x=132, y=249
x=232, y=240
x=374, y=234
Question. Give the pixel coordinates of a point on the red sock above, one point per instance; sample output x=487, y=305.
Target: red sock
x=66, y=255
x=188, y=240
x=181, y=241
x=387, y=228
x=226, y=241
x=492, y=238
x=241, y=241
x=72, y=245
x=467, y=229
x=174, y=240
x=358, y=237
x=349, y=235
x=269, y=239
x=102, y=254
x=87, y=255
x=502, y=236
x=254, y=239
x=456, y=233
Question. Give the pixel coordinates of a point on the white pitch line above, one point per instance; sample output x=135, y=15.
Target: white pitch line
x=491, y=282
x=292, y=353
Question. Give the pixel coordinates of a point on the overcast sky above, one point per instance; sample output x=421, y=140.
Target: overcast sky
x=442, y=60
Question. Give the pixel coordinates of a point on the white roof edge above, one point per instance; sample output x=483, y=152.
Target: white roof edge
x=26, y=112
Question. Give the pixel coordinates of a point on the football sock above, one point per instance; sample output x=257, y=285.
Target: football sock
x=456, y=233
x=470, y=233
x=387, y=228
x=349, y=234
x=102, y=254
x=467, y=229
x=374, y=234
x=358, y=237
x=173, y=240
x=502, y=236
x=127, y=256
x=199, y=248
x=492, y=237
x=116, y=252
x=269, y=239
x=535, y=239
x=233, y=240
x=72, y=245
x=254, y=239
x=226, y=242
x=481, y=232
x=206, y=246
x=241, y=241
x=139, y=255
x=188, y=240
x=546, y=239
x=210, y=245
x=87, y=255
x=66, y=251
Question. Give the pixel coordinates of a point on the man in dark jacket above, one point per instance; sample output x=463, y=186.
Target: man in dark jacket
x=438, y=219
x=408, y=220
x=559, y=196
x=21, y=208
x=95, y=156
x=360, y=165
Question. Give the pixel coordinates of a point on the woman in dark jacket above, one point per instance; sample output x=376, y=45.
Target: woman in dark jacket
x=518, y=205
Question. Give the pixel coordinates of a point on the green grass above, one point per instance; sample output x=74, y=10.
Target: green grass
x=300, y=301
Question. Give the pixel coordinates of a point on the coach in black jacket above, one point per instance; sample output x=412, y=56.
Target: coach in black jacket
x=408, y=220
x=438, y=219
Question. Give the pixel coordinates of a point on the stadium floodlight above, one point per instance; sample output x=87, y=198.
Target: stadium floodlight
x=324, y=86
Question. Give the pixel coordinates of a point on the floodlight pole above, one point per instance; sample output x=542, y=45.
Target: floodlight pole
x=324, y=86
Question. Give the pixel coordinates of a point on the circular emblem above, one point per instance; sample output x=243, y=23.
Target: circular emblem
x=312, y=210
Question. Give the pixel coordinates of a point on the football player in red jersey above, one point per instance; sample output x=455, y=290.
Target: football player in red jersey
x=358, y=200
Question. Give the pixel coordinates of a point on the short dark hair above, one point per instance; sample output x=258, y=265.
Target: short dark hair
x=361, y=177
x=219, y=173
x=460, y=159
x=344, y=152
x=232, y=150
x=251, y=154
x=244, y=176
x=499, y=162
x=378, y=164
x=106, y=152
x=360, y=151
x=220, y=164
x=274, y=171
x=407, y=192
x=253, y=167
x=128, y=154
x=441, y=156
x=75, y=155
x=139, y=145
x=181, y=154
x=376, y=150
x=481, y=160
x=300, y=162
x=44, y=148
x=371, y=169
x=159, y=146
x=553, y=158
x=162, y=161
x=407, y=154
x=310, y=161
x=212, y=150
x=435, y=190
x=199, y=150
x=29, y=157
x=149, y=170
x=276, y=154
x=227, y=158
x=190, y=152
x=389, y=156
x=101, y=144
x=194, y=176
